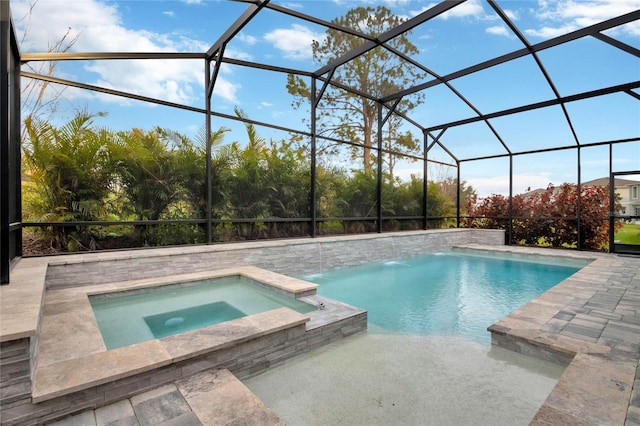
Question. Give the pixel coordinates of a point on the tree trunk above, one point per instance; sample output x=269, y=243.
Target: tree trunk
x=367, y=120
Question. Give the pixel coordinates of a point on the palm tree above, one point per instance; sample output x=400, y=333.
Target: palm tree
x=68, y=174
x=147, y=171
x=192, y=161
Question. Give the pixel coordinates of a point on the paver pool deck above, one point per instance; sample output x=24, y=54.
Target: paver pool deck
x=590, y=321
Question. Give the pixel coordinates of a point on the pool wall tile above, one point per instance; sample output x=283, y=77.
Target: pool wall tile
x=225, y=358
x=291, y=257
x=16, y=371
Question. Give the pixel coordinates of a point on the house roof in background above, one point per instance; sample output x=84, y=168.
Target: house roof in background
x=605, y=181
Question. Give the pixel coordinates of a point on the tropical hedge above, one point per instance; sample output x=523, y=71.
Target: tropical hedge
x=548, y=217
x=81, y=172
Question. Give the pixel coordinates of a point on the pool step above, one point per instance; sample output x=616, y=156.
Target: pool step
x=214, y=397
x=219, y=398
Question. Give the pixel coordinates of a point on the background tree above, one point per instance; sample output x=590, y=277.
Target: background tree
x=392, y=142
x=378, y=73
x=448, y=188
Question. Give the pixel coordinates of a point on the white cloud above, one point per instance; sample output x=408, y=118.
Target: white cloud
x=374, y=3
x=266, y=104
x=50, y=21
x=226, y=90
x=248, y=39
x=405, y=173
x=560, y=17
x=100, y=29
x=500, y=30
x=393, y=3
x=419, y=11
x=468, y=8
x=237, y=54
x=294, y=42
x=290, y=5
x=511, y=14
x=632, y=28
x=550, y=32
x=169, y=13
x=174, y=81
x=54, y=92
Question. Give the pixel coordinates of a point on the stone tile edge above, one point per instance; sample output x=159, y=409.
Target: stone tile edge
x=118, y=370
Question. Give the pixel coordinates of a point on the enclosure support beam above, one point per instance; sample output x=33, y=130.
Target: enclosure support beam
x=15, y=153
x=381, y=122
x=617, y=43
x=5, y=51
x=612, y=202
x=579, y=205
x=10, y=182
x=312, y=196
x=425, y=171
x=458, y=195
x=584, y=32
x=510, y=224
x=622, y=247
x=379, y=188
x=209, y=84
x=209, y=179
x=251, y=11
x=536, y=58
x=538, y=105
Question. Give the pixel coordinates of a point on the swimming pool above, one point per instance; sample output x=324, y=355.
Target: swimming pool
x=451, y=293
x=125, y=318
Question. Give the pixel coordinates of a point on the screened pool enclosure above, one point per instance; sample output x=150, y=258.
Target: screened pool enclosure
x=347, y=118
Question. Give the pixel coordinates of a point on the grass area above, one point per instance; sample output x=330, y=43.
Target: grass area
x=630, y=234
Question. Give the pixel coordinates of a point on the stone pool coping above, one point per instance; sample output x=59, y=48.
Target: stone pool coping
x=21, y=302
x=591, y=322
x=72, y=355
x=100, y=367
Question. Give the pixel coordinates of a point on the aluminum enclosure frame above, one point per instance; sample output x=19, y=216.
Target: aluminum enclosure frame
x=10, y=191
x=321, y=79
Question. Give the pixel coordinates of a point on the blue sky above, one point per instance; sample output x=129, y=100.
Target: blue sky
x=469, y=34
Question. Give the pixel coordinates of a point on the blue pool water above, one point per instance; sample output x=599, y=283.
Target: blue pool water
x=174, y=322
x=441, y=294
x=132, y=317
